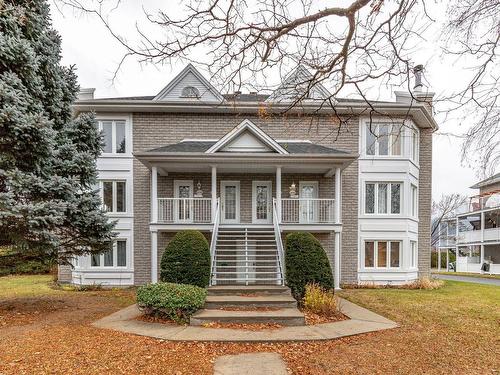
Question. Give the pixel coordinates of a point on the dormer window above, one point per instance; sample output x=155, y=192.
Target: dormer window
x=190, y=92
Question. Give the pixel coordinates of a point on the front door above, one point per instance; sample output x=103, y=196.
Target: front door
x=308, y=205
x=230, y=202
x=183, y=204
x=262, y=211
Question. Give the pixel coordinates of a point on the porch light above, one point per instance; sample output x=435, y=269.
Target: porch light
x=199, y=192
x=293, y=190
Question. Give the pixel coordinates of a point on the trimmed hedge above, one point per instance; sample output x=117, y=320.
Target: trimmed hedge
x=174, y=301
x=306, y=262
x=186, y=259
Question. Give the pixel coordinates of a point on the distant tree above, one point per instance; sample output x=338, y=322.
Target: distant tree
x=445, y=208
x=48, y=202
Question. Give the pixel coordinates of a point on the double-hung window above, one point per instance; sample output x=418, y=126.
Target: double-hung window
x=382, y=254
x=383, y=139
x=414, y=201
x=414, y=145
x=116, y=256
x=114, y=136
x=383, y=198
x=413, y=254
x=114, y=195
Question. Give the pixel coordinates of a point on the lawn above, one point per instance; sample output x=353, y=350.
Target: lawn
x=480, y=275
x=450, y=330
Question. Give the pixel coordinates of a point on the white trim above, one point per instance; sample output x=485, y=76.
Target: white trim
x=224, y=183
x=154, y=256
x=247, y=125
x=269, y=184
x=188, y=69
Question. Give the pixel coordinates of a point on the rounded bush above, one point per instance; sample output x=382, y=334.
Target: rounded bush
x=174, y=301
x=306, y=262
x=186, y=259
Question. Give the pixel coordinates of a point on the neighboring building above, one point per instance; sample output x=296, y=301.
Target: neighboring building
x=237, y=169
x=474, y=233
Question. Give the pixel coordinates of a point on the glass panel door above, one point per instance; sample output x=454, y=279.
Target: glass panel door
x=183, y=204
x=262, y=202
x=230, y=201
x=308, y=203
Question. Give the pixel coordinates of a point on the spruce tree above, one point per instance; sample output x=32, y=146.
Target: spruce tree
x=49, y=205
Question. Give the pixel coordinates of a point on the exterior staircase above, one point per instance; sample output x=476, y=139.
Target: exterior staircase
x=249, y=305
x=246, y=256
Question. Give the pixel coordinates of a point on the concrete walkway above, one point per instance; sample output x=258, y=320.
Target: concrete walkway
x=361, y=321
x=468, y=279
x=250, y=364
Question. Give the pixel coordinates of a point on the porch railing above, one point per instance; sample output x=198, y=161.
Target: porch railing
x=185, y=210
x=307, y=211
x=279, y=243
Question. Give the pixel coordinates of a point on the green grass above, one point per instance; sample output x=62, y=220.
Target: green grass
x=455, y=306
x=26, y=286
x=479, y=275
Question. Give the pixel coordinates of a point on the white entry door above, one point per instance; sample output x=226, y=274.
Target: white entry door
x=308, y=206
x=230, y=202
x=183, y=204
x=262, y=200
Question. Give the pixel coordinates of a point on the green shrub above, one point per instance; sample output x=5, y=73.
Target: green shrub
x=186, y=259
x=174, y=301
x=306, y=262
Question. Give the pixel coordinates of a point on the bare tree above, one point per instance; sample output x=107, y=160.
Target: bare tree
x=357, y=49
x=445, y=208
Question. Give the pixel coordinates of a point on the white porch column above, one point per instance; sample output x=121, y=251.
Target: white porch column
x=338, y=217
x=214, y=191
x=154, y=194
x=447, y=260
x=336, y=276
x=154, y=256
x=278, y=193
x=338, y=195
x=439, y=259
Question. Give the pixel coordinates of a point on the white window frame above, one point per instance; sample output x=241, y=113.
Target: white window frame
x=115, y=257
x=113, y=135
x=389, y=191
x=414, y=201
x=375, y=254
x=101, y=193
x=414, y=144
x=374, y=128
x=413, y=254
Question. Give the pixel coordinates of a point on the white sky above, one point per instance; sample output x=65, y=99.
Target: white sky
x=88, y=45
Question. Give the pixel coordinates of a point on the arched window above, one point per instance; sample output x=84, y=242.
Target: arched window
x=190, y=92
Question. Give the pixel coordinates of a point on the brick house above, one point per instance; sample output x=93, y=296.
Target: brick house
x=237, y=169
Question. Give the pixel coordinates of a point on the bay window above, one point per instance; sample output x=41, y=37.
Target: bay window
x=116, y=256
x=414, y=201
x=114, y=136
x=383, y=139
x=414, y=145
x=413, y=254
x=383, y=198
x=114, y=196
x=382, y=254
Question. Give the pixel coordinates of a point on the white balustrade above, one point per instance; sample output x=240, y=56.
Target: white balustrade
x=307, y=211
x=185, y=210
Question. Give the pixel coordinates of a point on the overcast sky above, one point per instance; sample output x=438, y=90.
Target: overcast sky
x=96, y=54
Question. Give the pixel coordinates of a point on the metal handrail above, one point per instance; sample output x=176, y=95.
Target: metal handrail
x=213, y=242
x=279, y=242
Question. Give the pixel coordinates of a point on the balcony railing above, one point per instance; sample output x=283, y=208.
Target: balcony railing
x=478, y=203
x=307, y=211
x=185, y=210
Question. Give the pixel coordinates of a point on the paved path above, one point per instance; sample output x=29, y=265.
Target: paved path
x=468, y=279
x=250, y=364
x=361, y=321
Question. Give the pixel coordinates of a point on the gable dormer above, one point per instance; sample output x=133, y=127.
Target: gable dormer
x=244, y=138
x=296, y=85
x=189, y=86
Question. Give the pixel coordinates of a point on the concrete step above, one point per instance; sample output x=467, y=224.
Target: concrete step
x=263, y=290
x=287, y=317
x=272, y=300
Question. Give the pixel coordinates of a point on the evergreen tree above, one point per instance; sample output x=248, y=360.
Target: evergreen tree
x=48, y=200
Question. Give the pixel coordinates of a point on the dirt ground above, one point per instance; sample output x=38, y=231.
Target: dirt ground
x=50, y=333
